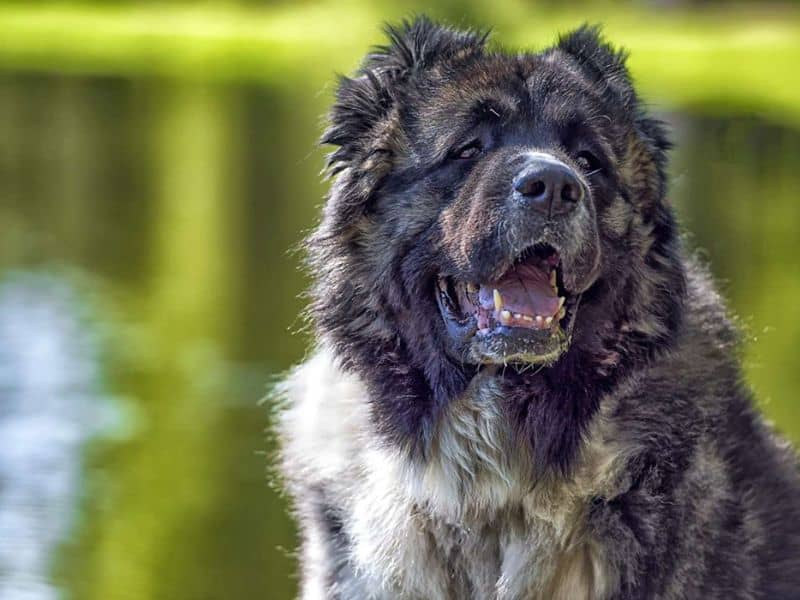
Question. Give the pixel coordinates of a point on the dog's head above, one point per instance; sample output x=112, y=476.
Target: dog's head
x=491, y=208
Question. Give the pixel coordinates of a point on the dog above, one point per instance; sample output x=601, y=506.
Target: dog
x=523, y=387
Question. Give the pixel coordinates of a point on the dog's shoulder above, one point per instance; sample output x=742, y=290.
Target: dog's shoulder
x=700, y=448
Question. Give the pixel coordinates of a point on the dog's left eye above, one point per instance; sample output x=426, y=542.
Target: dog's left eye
x=471, y=150
x=588, y=162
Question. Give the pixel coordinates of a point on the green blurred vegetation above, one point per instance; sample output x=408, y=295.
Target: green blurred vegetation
x=162, y=159
x=730, y=53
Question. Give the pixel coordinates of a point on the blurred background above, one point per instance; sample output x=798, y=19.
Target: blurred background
x=157, y=162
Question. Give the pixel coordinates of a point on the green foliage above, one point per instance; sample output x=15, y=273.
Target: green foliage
x=730, y=57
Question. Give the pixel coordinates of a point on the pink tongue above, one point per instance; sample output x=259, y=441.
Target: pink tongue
x=524, y=289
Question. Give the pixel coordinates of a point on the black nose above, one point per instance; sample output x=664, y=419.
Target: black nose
x=549, y=186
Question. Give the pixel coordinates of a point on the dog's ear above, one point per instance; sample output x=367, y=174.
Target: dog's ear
x=600, y=61
x=365, y=122
x=605, y=66
x=364, y=102
x=418, y=44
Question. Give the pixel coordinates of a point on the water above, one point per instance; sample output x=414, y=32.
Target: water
x=51, y=406
x=147, y=300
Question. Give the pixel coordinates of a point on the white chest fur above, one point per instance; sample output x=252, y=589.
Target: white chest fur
x=472, y=521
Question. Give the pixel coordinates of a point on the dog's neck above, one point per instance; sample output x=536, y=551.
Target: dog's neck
x=479, y=463
x=476, y=485
x=479, y=488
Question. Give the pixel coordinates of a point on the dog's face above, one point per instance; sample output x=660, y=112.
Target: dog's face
x=490, y=209
x=518, y=167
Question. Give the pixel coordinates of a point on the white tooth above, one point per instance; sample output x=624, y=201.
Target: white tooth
x=553, y=278
x=527, y=318
x=498, y=300
x=505, y=316
x=562, y=313
x=561, y=300
x=539, y=321
x=548, y=321
x=517, y=316
x=472, y=288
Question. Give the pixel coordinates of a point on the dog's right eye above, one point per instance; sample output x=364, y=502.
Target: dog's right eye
x=471, y=150
x=588, y=162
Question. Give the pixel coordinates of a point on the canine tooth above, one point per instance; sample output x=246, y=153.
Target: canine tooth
x=472, y=288
x=539, y=320
x=553, y=278
x=498, y=300
x=548, y=321
x=562, y=313
x=561, y=300
x=505, y=315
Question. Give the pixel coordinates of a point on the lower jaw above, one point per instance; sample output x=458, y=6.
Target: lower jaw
x=518, y=346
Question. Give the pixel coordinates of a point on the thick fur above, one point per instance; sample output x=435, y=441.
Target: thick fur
x=633, y=466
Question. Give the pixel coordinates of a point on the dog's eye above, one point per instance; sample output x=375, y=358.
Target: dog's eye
x=471, y=150
x=588, y=162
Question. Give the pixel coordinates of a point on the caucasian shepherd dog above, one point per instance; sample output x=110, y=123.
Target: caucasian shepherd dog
x=523, y=386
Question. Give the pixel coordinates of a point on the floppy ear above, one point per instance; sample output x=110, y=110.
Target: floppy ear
x=600, y=62
x=363, y=102
x=364, y=121
x=604, y=65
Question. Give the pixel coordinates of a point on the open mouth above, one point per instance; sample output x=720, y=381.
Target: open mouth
x=522, y=316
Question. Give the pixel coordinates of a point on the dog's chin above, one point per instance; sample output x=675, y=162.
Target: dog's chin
x=518, y=346
x=524, y=316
